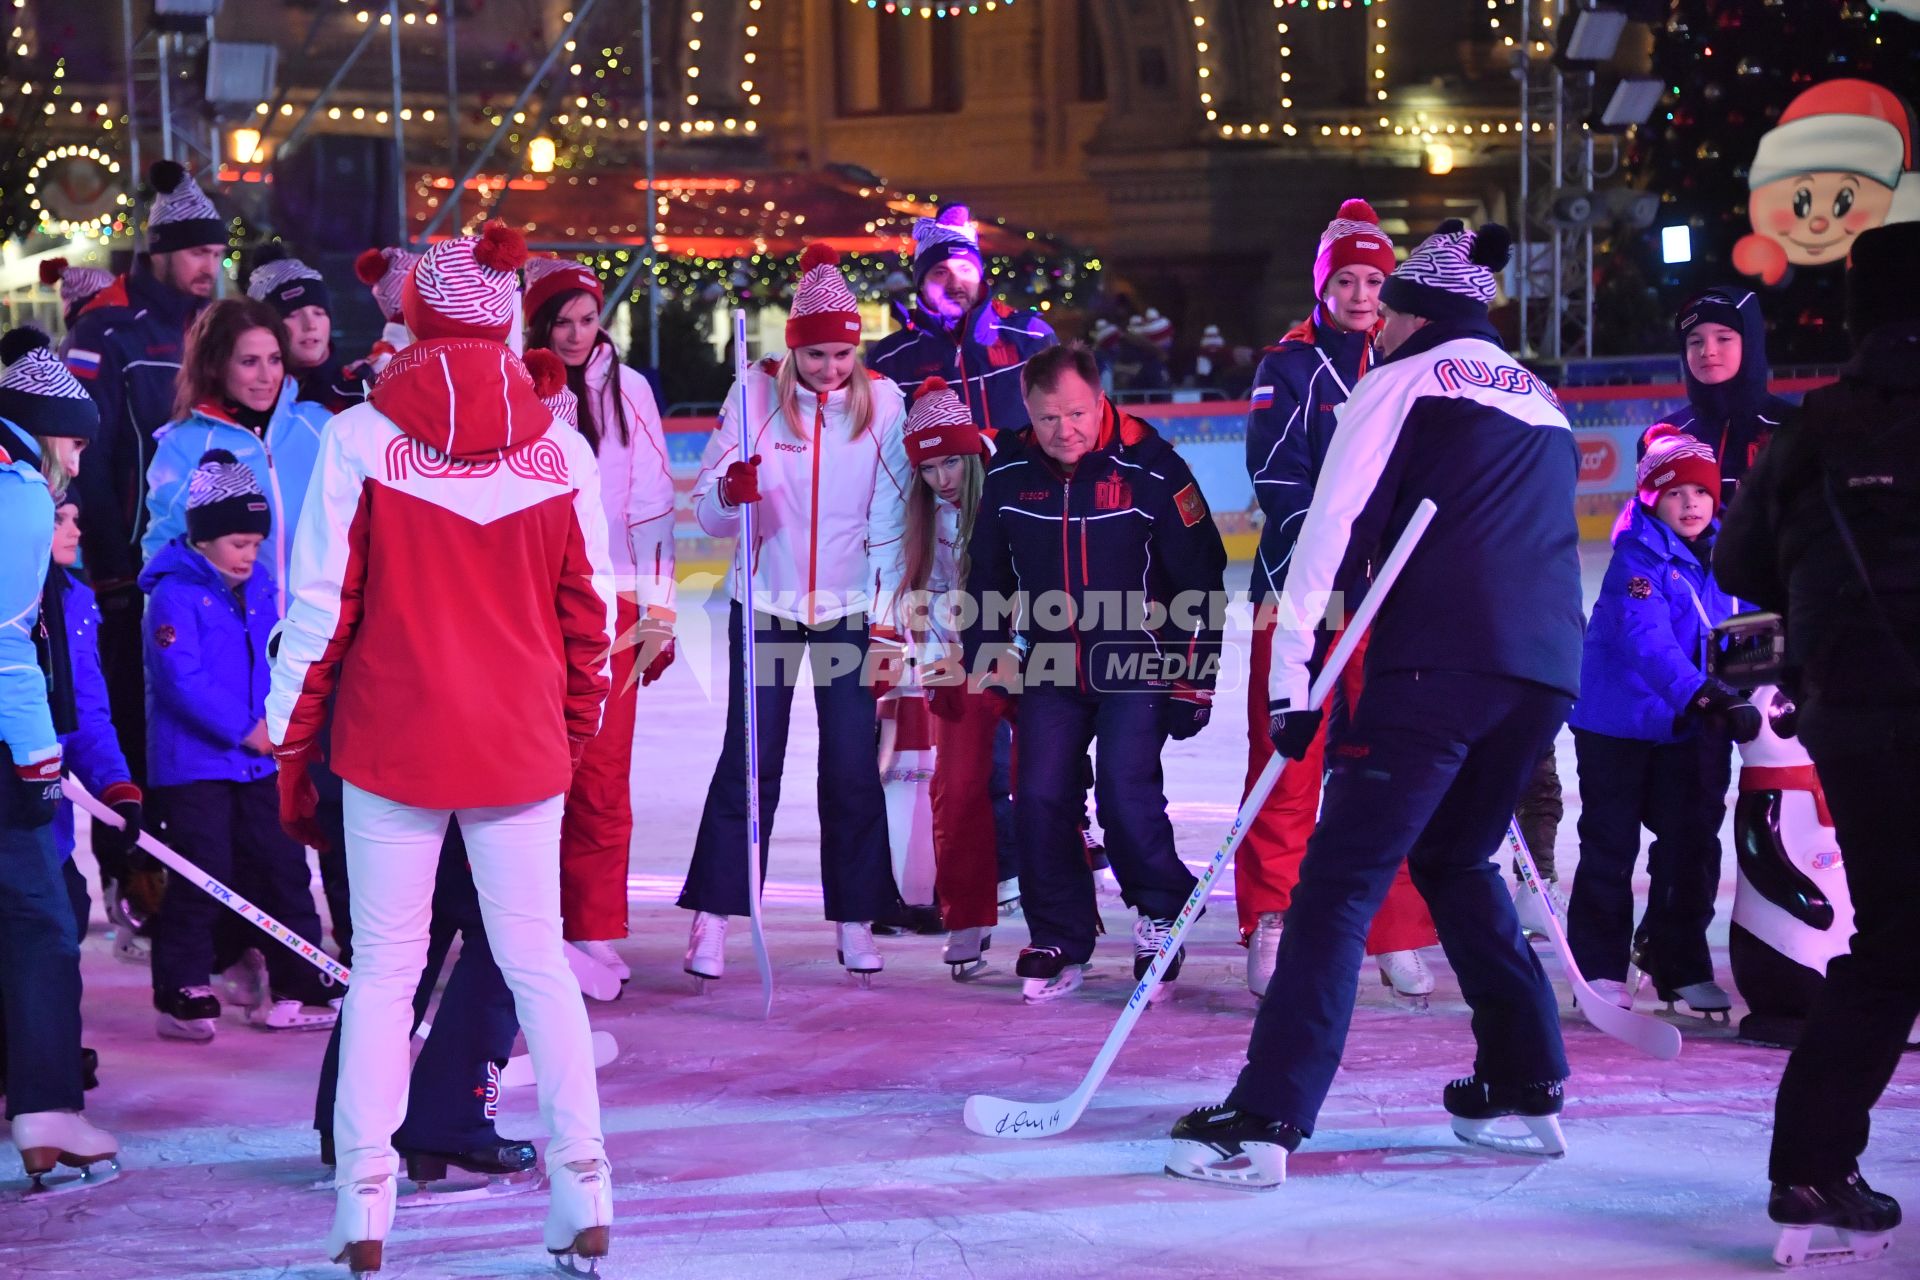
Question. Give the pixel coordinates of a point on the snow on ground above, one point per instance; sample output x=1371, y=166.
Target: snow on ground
x=827, y=1142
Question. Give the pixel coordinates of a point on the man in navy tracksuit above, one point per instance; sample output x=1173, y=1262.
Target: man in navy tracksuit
x=1473, y=662
x=955, y=331
x=1098, y=531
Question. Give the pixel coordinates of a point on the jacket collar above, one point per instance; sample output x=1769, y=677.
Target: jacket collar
x=1658, y=536
x=1434, y=333
x=144, y=290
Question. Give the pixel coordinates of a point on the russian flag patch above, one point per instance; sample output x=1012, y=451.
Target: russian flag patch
x=1262, y=397
x=84, y=364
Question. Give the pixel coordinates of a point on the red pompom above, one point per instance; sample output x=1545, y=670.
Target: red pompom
x=501, y=248
x=549, y=375
x=370, y=266
x=51, y=269
x=930, y=386
x=1659, y=431
x=1359, y=211
x=819, y=254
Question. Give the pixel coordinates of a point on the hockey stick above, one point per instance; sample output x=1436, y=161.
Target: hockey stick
x=226, y=897
x=1003, y=1118
x=750, y=702
x=1649, y=1035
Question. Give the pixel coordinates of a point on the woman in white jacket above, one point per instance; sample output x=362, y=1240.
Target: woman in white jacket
x=823, y=458
x=619, y=419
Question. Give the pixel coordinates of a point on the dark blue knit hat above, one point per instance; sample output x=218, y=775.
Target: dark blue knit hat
x=37, y=392
x=223, y=497
x=1451, y=275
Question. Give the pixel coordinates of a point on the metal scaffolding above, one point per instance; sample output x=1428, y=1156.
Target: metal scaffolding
x=1555, y=271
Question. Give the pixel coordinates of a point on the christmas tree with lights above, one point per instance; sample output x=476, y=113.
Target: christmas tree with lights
x=1733, y=68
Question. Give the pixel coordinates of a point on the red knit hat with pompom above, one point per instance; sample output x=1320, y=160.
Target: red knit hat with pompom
x=824, y=309
x=938, y=424
x=1675, y=458
x=385, y=271
x=550, y=384
x=467, y=288
x=1353, y=238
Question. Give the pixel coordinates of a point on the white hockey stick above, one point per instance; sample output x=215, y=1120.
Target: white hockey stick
x=1649, y=1035
x=226, y=897
x=1003, y=1118
x=750, y=704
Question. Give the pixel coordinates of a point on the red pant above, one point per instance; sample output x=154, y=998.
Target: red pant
x=597, y=830
x=966, y=860
x=1268, y=864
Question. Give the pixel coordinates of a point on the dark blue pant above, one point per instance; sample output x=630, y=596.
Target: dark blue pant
x=1865, y=1010
x=1428, y=774
x=856, y=869
x=1007, y=842
x=1678, y=791
x=231, y=830
x=454, y=1091
x=39, y=968
x=1049, y=800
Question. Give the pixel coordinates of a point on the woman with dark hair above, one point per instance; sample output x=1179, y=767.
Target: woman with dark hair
x=233, y=394
x=621, y=423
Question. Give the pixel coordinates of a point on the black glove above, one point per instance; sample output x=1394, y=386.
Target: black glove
x=1292, y=731
x=125, y=800
x=1187, y=710
x=1722, y=708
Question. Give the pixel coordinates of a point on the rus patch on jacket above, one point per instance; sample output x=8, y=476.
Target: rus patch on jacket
x=1193, y=507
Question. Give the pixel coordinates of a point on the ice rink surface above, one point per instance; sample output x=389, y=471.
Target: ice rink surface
x=827, y=1142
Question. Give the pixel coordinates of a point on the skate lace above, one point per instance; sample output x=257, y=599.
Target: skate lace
x=1041, y=951
x=197, y=993
x=1149, y=934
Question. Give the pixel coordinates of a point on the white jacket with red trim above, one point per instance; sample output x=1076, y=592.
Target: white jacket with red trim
x=636, y=487
x=832, y=507
x=450, y=589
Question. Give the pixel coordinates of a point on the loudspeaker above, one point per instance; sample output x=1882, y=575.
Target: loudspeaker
x=336, y=194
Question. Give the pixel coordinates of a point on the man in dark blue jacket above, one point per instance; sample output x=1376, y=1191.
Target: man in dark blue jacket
x=1098, y=533
x=955, y=331
x=1473, y=662
x=125, y=349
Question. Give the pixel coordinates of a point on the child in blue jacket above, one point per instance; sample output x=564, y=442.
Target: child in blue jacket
x=210, y=610
x=1651, y=734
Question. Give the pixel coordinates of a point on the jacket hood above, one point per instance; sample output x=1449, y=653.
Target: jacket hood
x=1888, y=357
x=1745, y=392
x=179, y=560
x=465, y=397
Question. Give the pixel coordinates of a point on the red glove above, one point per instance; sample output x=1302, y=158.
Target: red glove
x=741, y=482
x=299, y=798
x=654, y=636
x=886, y=661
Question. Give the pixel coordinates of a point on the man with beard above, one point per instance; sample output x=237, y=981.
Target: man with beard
x=956, y=332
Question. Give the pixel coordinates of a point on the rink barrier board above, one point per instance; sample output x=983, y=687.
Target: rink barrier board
x=1607, y=424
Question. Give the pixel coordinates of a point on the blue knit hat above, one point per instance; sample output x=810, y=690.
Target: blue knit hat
x=223, y=497
x=948, y=234
x=38, y=394
x=1451, y=275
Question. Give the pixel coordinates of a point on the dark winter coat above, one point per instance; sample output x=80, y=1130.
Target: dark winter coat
x=1734, y=418
x=207, y=670
x=980, y=358
x=1859, y=439
x=1299, y=384
x=125, y=349
x=92, y=748
x=1646, y=647
x=1129, y=524
x=1494, y=588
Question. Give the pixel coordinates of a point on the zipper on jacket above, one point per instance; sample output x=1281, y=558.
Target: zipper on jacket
x=813, y=513
x=1066, y=571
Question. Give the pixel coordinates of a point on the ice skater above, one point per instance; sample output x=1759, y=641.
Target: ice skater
x=46, y=420
x=1473, y=661
x=820, y=451
x=450, y=576
x=1099, y=527
x=1827, y=533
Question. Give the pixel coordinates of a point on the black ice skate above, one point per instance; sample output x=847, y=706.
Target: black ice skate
x=1237, y=1148
x=1861, y=1220
x=1048, y=973
x=1476, y=1105
x=487, y=1172
x=187, y=1014
x=1706, y=999
x=1149, y=934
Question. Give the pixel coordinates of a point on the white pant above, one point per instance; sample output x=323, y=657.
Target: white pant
x=393, y=851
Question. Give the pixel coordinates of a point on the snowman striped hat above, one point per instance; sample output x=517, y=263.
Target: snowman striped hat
x=182, y=217
x=950, y=233
x=467, y=288
x=77, y=284
x=223, y=497
x=1450, y=276
x=288, y=284
x=38, y=394
x=824, y=308
x=385, y=271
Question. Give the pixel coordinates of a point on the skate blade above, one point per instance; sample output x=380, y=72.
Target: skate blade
x=1797, y=1247
x=1412, y=1004
x=1260, y=1166
x=199, y=1031
x=468, y=1188
x=1710, y=1017
x=967, y=970
x=1043, y=990
x=68, y=1177
x=590, y=1244
x=1543, y=1138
